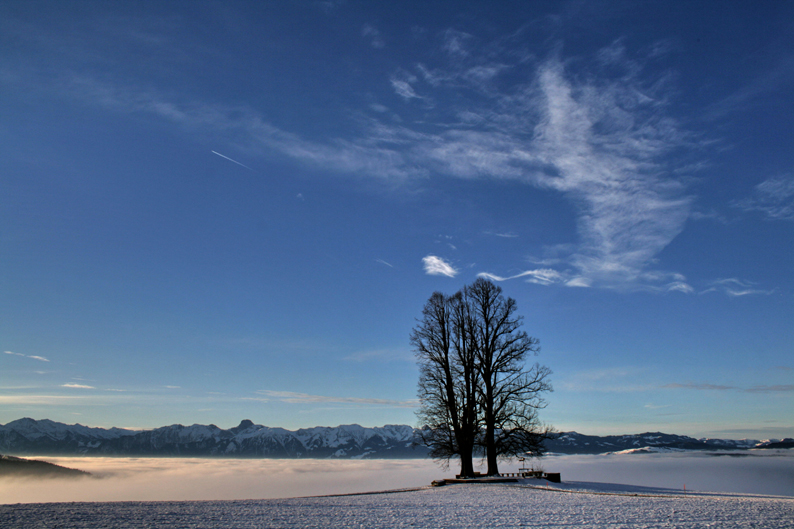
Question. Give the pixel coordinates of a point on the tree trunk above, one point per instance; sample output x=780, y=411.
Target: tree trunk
x=490, y=449
x=466, y=463
x=490, y=430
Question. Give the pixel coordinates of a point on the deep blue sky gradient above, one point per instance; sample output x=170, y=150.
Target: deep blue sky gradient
x=625, y=171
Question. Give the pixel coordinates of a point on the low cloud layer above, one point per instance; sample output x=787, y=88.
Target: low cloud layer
x=161, y=479
x=185, y=479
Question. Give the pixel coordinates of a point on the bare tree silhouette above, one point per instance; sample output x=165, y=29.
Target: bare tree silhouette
x=476, y=393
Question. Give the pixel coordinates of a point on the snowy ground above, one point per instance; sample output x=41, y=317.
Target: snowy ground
x=623, y=490
x=571, y=505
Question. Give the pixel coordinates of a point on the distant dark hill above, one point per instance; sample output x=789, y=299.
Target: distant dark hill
x=576, y=443
x=18, y=467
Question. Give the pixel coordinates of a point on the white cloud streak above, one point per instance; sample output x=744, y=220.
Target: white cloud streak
x=49, y=400
x=607, y=380
x=760, y=388
x=777, y=388
x=34, y=357
x=402, y=84
x=436, y=266
x=699, y=386
x=381, y=355
x=231, y=160
x=656, y=406
x=734, y=287
x=305, y=398
x=541, y=276
x=680, y=286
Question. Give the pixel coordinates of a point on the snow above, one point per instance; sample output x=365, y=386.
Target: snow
x=33, y=429
x=27, y=436
x=571, y=505
x=648, y=450
x=744, y=489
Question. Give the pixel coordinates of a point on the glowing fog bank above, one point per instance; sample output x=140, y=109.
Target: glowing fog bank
x=141, y=479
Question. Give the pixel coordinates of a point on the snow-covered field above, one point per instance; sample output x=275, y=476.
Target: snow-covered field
x=754, y=489
x=508, y=505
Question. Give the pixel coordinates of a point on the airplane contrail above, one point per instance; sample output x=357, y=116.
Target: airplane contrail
x=235, y=161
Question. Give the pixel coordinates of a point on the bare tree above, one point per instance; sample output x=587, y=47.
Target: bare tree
x=475, y=392
x=510, y=395
x=447, y=381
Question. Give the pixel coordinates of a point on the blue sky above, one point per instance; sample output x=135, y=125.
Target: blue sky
x=212, y=211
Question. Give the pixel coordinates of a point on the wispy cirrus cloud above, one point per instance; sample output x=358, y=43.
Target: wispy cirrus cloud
x=375, y=38
x=77, y=386
x=541, y=276
x=402, y=82
x=598, y=139
x=33, y=357
x=627, y=212
x=630, y=379
x=456, y=42
x=382, y=355
x=436, y=266
x=598, y=142
x=291, y=397
x=607, y=380
x=773, y=197
x=549, y=276
x=775, y=388
x=752, y=94
x=699, y=386
x=736, y=288
x=504, y=235
x=760, y=388
x=680, y=286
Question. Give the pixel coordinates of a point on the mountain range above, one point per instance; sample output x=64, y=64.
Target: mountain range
x=46, y=437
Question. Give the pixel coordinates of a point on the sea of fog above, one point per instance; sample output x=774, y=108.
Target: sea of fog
x=159, y=479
